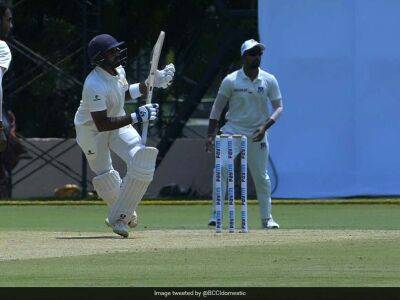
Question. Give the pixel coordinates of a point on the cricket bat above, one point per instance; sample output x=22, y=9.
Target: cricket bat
x=153, y=68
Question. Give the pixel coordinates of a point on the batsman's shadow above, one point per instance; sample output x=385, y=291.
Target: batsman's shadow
x=97, y=237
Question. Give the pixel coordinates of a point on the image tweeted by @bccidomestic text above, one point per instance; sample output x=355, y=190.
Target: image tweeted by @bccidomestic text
x=198, y=293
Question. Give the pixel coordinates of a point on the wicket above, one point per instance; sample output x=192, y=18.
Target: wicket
x=231, y=181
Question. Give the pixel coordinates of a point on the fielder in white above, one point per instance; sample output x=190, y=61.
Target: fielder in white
x=103, y=126
x=247, y=92
x=5, y=61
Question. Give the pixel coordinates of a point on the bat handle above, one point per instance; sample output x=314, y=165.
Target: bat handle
x=145, y=127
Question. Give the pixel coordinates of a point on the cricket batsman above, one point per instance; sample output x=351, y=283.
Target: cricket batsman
x=102, y=126
x=247, y=92
x=5, y=60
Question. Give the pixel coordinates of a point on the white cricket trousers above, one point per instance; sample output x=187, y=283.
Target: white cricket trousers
x=97, y=145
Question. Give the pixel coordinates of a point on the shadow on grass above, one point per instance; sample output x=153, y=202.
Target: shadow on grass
x=90, y=237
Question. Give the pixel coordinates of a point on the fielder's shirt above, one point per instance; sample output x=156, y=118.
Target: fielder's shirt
x=248, y=100
x=5, y=60
x=102, y=91
x=5, y=56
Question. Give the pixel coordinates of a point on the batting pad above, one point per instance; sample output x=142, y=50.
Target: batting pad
x=107, y=186
x=134, y=185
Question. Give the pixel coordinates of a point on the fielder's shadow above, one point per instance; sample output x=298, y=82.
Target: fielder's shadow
x=97, y=237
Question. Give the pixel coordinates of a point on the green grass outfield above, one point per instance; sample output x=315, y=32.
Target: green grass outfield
x=317, y=245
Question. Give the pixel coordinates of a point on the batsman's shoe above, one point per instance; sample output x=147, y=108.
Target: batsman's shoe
x=269, y=224
x=121, y=228
x=132, y=223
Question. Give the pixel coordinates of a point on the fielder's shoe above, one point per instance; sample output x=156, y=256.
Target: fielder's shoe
x=269, y=224
x=132, y=223
x=121, y=228
x=213, y=219
x=212, y=222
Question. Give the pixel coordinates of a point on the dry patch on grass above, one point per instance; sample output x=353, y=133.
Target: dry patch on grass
x=37, y=244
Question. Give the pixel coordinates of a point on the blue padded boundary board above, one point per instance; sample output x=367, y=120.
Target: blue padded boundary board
x=338, y=66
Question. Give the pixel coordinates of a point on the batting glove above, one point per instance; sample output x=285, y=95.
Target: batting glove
x=163, y=78
x=145, y=113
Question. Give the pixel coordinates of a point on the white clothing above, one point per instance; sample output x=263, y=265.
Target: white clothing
x=5, y=56
x=248, y=110
x=218, y=106
x=96, y=145
x=5, y=61
x=102, y=91
x=248, y=101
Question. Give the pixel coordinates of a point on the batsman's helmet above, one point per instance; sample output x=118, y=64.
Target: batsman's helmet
x=101, y=44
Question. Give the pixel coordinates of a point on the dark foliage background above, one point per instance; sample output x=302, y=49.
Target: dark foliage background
x=44, y=100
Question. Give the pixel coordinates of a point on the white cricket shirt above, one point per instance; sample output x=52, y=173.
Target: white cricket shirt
x=5, y=56
x=102, y=91
x=248, y=101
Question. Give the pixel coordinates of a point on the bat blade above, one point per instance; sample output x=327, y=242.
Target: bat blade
x=153, y=68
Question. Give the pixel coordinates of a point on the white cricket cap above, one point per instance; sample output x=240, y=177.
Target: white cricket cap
x=247, y=45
